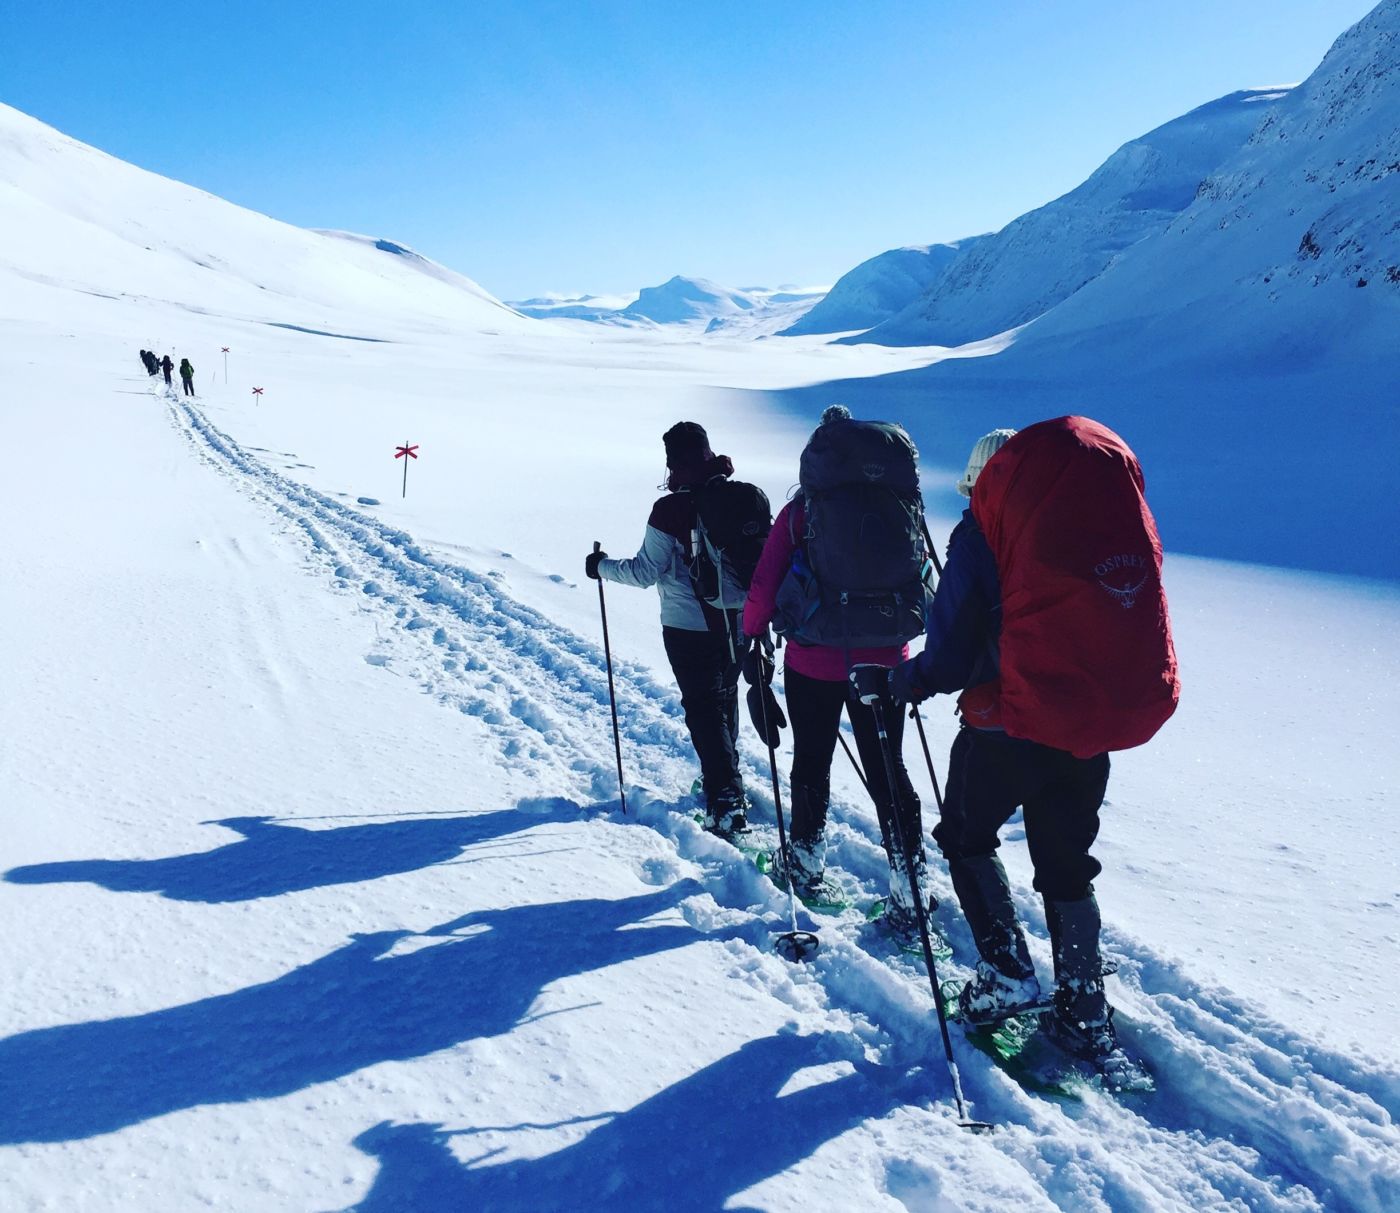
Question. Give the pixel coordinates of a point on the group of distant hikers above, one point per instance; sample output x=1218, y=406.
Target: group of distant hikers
x=1048, y=619
x=155, y=366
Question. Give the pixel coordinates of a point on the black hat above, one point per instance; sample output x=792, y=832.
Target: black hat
x=686, y=442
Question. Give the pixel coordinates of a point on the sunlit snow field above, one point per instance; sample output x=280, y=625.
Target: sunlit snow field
x=317, y=891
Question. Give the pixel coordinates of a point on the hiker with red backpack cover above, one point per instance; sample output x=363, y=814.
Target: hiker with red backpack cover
x=1051, y=620
x=702, y=541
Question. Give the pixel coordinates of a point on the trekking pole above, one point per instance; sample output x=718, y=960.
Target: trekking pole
x=865, y=783
x=921, y=915
x=795, y=945
x=612, y=693
x=928, y=758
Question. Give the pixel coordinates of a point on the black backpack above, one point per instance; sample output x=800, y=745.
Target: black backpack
x=732, y=521
x=859, y=577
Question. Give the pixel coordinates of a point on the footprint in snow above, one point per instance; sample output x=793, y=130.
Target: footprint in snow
x=367, y=500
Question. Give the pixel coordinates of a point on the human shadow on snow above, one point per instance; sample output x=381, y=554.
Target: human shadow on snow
x=272, y=858
x=690, y=1147
x=350, y=1009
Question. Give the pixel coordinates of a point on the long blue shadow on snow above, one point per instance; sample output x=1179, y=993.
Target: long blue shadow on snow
x=353, y=1008
x=692, y=1146
x=1231, y=460
x=272, y=858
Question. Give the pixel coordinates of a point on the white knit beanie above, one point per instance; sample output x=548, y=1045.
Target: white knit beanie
x=987, y=446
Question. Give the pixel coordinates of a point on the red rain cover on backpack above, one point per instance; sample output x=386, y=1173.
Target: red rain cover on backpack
x=1087, y=662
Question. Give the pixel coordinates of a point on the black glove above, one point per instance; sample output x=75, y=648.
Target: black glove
x=758, y=662
x=871, y=682
x=763, y=706
x=590, y=563
x=904, y=683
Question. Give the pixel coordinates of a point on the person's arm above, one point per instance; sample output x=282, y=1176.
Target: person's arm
x=645, y=568
x=762, y=601
x=963, y=621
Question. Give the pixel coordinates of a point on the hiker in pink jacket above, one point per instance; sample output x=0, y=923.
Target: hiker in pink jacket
x=816, y=681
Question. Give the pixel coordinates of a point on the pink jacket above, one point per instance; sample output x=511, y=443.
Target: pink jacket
x=814, y=660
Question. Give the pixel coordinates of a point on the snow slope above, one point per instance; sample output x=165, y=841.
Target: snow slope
x=316, y=890
x=1237, y=349
x=881, y=288
x=168, y=243
x=1045, y=256
x=1289, y=256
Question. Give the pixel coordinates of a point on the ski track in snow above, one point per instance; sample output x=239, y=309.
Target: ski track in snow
x=1248, y=1114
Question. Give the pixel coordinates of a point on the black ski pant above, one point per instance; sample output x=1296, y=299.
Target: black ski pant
x=167, y=378
x=814, y=708
x=187, y=384
x=991, y=775
x=707, y=674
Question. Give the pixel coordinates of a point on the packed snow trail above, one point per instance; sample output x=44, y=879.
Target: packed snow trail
x=1246, y=1113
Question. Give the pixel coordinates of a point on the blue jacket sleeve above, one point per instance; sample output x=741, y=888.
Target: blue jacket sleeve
x=964, y=622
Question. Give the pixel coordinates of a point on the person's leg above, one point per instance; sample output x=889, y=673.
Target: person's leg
x=814, y=712
x=899, y=812
x=1062, y=821
x=733, y=659
x=700, y=662
x=989, y=776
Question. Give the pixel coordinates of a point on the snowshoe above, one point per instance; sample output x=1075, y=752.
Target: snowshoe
x=992, y=996
x=814, y=889
x=1096, y=1045
x=901, y=926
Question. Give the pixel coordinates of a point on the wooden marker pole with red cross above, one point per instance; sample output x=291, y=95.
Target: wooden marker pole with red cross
x=405, y=453
x=257, y=395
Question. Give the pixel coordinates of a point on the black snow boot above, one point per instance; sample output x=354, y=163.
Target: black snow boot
x=1082, y=1021
x=1006, y=982
x=985, y=897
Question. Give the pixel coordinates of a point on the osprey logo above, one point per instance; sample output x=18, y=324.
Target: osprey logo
x=1123, y=577
x=873, y=471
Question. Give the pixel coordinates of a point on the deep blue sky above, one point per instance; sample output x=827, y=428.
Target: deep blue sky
x=546, y=145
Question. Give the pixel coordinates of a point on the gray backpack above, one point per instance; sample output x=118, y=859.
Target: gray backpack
x=859, y=576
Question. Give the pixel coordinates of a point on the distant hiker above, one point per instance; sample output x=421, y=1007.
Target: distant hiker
x=701, y=543
x=1051, y=620
x=187, y=376
x=842, y=578
x=148, y=359
x=167, y=366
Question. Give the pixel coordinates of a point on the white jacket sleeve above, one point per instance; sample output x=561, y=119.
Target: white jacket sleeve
x=646, y=568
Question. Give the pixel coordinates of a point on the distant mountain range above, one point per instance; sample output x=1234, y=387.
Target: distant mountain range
x=692, y=302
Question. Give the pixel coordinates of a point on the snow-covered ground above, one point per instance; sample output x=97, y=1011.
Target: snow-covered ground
x=317, y=892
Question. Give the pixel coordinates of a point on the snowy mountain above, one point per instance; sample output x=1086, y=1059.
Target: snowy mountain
x=603, y=308
x=686, y=303
x=1288, y=256
x=170, y=243
x=683, y=299
x=881, y=288
x=1249, y=346
x=1042, y=258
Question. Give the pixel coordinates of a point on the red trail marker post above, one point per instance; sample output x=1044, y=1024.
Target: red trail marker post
x=257, y=395
x=224, y=349
x=405, y=453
